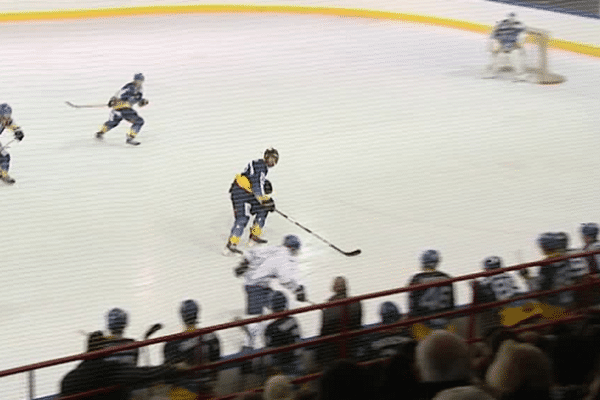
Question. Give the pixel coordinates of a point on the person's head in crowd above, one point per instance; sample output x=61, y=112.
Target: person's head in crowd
x=95, y=341
x=519, y=369
x=279, y=302
x=389, y=313
x=430, y=259
x=116, y=321
x=463, y=393
x=494, y=337
x=344, y=379
x=442, y=356
x=589, y=232
x=339, y=286
x=278, y=387
x=189, y=310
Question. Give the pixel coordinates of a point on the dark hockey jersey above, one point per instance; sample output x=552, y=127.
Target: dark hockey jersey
x=129, y=357
x=282, y=332
x=253, y=178
x=431, y=300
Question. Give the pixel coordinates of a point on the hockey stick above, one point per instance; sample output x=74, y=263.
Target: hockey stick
x=85, y=105
x=346, y=253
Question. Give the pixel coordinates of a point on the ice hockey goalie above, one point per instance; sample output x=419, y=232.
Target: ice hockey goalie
x=506, y=45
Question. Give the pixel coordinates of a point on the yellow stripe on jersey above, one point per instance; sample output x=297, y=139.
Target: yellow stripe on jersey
x=243, y=182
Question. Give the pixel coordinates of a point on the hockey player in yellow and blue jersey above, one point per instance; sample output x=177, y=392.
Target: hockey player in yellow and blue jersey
x=250, y=195
x=122, y=109
x=7, y=122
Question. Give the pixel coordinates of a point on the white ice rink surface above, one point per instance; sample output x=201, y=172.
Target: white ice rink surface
x=389, y=142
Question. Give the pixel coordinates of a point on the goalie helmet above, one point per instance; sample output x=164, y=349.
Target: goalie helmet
x=271, y=156
x=5, y=110
x=492, y=262
x=189, y=312
x=389, y=313
x=116, y=320
x=138, y=77
x=292, y=242
x=589, y=230
x=430, y=259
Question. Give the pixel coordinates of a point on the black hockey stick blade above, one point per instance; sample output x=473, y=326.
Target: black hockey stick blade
x=352, y=253
x=152, y=330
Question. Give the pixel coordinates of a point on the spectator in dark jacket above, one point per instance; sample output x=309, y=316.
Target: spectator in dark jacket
x=334, y=318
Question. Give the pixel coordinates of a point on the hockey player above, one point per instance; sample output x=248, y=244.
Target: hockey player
x=122, y=108
x=249, y=196
x=589, y=235
x=508, y=39
x=116, y=322
x=192, y=352
x=283, y=332
x=432, y=300
x=500, y=287
x=258, y=268
x=7, y=122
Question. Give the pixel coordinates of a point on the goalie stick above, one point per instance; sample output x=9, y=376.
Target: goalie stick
x=346, y=253
x=85, y=105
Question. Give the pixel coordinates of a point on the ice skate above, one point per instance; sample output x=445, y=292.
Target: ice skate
x=6, y=178
x=231, y=249
x=99, y=135
x=257, y=239
x=131, y=140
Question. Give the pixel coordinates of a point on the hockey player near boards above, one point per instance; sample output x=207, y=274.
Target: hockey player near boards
x=116, y=322
x=258, y=268
x=193, y=352
x=7, y=122
x=508, y=39
x=122, y=109
x=432, y=300
x=250, y=195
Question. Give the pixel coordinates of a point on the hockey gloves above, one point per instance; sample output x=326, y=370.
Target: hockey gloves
x=241, y=269
x=112, y=101
x=269, y=205
x=19, y=135
x=143, y=102
x=300, y=294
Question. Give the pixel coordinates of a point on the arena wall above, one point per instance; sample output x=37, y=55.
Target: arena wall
x=570, y=32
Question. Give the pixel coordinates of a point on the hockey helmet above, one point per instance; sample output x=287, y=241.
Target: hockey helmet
x=271, y=157
x=189, y=312
x=562, y=240
x=548, y=241
x=116, y=320
x=278, y=301
x=139, y=77
x=589, y=230
x=292, y=242
x=492, y=262
x=389, y=313
x=5, y=110
x=430, y=259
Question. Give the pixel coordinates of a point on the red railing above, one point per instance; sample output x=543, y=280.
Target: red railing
x=471, y=310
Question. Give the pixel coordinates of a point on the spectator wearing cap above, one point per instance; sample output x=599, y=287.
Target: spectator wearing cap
x=335, y=319
x=281, y=332
x=443, y=362
x=191, y=352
